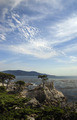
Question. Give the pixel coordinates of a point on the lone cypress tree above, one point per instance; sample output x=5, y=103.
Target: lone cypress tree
x=44, y=78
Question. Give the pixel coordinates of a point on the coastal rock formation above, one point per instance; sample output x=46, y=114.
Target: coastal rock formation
x=33, y=103
x=46, y=94
x=30, y=118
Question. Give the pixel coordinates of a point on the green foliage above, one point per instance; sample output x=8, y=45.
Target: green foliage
x=44, y=78
x=2, y=88
x=19, y=85
x=9, y=78
x=56, y=113
x=5, y=76
x=13, y=107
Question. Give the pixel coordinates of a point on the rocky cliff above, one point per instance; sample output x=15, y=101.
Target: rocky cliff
x=46, y=94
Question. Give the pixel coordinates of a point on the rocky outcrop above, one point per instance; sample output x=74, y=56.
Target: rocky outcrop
x=33, y=103
x=30, y=118
x=46, y=94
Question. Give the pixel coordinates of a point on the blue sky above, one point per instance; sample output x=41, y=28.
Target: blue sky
x=39, y=35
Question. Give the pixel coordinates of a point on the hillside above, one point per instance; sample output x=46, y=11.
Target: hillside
x=24, y=73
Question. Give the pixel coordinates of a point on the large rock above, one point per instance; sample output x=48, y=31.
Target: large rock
x=46, y=94
x=30, y=118
x=33, y=103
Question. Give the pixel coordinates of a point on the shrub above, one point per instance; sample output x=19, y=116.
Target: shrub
x=2, y=88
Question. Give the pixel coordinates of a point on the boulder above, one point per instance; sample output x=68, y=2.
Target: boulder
x=33, y=103
x=30, y=118
x=46, y=95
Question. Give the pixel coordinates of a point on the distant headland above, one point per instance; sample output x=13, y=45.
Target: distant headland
x=25, y=73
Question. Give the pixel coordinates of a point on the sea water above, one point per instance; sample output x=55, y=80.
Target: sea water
x=67, y=85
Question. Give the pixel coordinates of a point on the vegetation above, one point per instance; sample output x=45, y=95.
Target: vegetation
x=57, y=113
x=2, y=88
x=19, y=85
x=44, y=78
x=13, y=107
x=9, y=78
x=6, y=77
x=3, y=77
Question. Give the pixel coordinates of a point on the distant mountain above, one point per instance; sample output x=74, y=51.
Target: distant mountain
x=24, y=73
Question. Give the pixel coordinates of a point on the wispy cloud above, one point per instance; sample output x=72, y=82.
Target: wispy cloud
x=29, y=40
x=16, y=2
x=2, y=62
x=73, y=59
x=69, y=70
x=13, y=65
x=65, y=30
x=70, y=48
x=45, y=7
x=54, y=3
x=40, y=47
x=37, y=49
x=2, y=37
x=68, y=60
x=24, y=29
x=10, y=3
x=13, y=23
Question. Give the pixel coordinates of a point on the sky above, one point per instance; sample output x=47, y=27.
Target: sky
x=39, y=35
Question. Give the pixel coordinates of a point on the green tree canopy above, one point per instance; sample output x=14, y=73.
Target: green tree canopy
x=5, y=76
x=9, y=78
x=19, y=85
x=44, y=78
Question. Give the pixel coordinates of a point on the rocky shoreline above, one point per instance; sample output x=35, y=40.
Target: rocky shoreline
x=45, y=102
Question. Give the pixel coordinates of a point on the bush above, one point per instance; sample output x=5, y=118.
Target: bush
x=56, y=113
x=2, y=88
x=13, y=107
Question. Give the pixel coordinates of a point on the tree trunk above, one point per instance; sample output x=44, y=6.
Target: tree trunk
x=2, y=83
x=8, y=83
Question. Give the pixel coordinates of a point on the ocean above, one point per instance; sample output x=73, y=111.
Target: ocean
x=67, y=85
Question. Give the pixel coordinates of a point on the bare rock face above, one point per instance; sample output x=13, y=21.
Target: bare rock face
x=30, y=118
x=37, y=93
x=46, y=94
x=33, y=103
x=53, y=94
